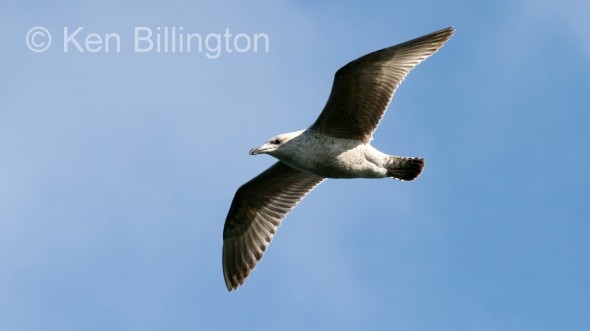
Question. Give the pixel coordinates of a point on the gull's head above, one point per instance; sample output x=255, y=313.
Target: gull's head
x=275, y=143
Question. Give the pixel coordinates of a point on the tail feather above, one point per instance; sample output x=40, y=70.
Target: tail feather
x=405, y=168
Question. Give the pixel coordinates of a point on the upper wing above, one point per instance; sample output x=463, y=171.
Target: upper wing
x=363, y=88
x=255, y=214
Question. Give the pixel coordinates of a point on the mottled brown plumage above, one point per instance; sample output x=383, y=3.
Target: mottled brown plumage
x=337, y=145
x=363, y=88
x=255, y=214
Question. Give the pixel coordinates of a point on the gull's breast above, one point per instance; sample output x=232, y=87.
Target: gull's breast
x=335, y=157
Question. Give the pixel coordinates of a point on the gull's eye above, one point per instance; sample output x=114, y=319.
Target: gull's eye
x=275, y=141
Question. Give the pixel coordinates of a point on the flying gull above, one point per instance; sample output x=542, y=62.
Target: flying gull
x=337, y=145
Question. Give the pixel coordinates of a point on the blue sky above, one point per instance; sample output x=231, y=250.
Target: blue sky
x=117, y=170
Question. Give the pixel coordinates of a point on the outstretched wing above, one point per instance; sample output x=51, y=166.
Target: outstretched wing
x=256, y=212
x=363, y=88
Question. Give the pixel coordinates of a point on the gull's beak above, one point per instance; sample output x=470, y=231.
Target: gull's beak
x=261, y=150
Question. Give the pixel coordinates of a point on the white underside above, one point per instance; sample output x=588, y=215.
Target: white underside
x=332, y=157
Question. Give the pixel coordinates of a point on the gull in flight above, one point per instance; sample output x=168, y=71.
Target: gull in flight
x=337, y=145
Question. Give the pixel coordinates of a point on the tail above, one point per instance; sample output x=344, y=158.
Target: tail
x=404, y=168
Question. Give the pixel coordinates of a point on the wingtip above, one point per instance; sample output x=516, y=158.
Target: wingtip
x=451, y=30
x=231, y=285
x=228, y=284
x=446, y=32
x=441, y=36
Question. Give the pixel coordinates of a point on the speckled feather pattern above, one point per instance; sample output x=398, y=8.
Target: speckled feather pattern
x=337, y=145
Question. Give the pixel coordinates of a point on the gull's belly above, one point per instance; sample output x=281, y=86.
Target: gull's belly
x=338, y=158
x=348, y=164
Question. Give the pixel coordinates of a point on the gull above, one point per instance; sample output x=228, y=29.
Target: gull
x=336, y=145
